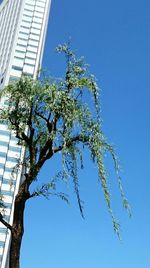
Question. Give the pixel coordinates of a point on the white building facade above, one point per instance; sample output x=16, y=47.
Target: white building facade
x=23, y=25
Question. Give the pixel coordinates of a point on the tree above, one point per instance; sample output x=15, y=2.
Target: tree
x=50, y=116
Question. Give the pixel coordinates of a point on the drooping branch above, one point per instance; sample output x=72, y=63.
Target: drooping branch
x=61, y=195
x=59, y=120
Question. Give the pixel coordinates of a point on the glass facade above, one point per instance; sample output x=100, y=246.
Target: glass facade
x=23, y=25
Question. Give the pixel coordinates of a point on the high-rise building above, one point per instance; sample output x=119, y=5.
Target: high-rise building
x=23, y=25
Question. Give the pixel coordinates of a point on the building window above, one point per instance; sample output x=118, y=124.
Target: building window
x=17, y=68
x=3, y=230
x=3, y=143
x=15, y=149
x=5, y=133
x=2, y=243
x=9, y=181
x=2, y=154
x=12, y=159
x=1, y=165
x=8, y=205
x=9, y=193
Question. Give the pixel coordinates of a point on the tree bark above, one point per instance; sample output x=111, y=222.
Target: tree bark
x=17, y=227
x=14, y=259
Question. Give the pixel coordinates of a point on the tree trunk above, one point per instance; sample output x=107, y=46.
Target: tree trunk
x=14, y=258
x=17, y=228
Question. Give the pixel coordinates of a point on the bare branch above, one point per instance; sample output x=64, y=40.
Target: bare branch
x=49, y=116
x=41, y=116
x=32, y=130
x=48, y=123
x=25, y=138
x=46, y=151
x=5, y=223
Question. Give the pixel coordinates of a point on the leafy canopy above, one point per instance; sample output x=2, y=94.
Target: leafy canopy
x=51, y=115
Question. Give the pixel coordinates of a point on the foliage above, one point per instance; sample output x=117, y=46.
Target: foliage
x=50, y=116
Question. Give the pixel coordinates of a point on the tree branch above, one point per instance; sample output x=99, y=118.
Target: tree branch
x=49, y=125
x=32, y=130
x=46, y=148
x=47, y=152
x=78, y=138
x=34, y=194
x=5, y=223
x=25, y=138
x=41, y=116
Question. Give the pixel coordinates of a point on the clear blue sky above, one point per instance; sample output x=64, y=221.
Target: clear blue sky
x=114, y=37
